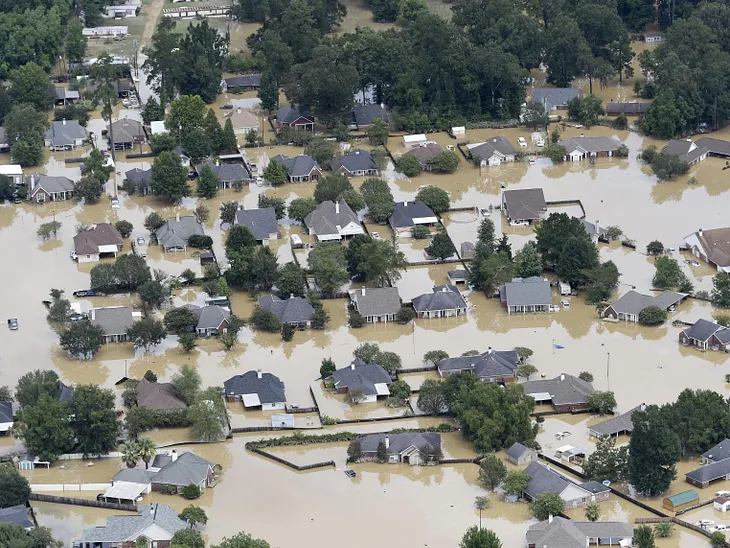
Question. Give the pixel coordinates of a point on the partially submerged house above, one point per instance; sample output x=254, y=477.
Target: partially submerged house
x=682, y=500
x=301, y=168
x=7, y=417
x=526, y=295
x=524, y=206
x=425, y=153
x=97, y=241
x=712, y=246
x=444, y=301
x=558, y=532
x=125, y=133
x=554, y=98
x=706, y=335
x=245, y=82
x=294, y=311
x=580, y=148
x=292, y=117
x=159, y=396
x=687, y=151
x=493, y=152
x=139, y=181
x=261, y=222
x=363, y=116
x=64, y=135
x=570, y=453
x=212, y=319
x=520, y=455
x=715, y=147
x=632, y=108
x=356, y=163
x=630, y=305
x=45, y=188
x=127, y=486
x=242, y=120
x=257, y=390
x=114, y=320
x=181, y=471
x=492, y=366
x=703, y=476
x=566, y=393
x=719, y=452
x=421, y=448
x=376, y=304
x=174, y=234
x=227, y=174
x=544, y=479
x=369, y=379
x=17, y=514
x=14, y=172
x=408, y=215
x=333, y=221
x=615, y=426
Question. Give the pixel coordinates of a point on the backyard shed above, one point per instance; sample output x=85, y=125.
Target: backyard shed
x=682, y=500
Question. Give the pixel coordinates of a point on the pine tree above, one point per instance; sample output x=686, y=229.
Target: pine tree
x=227, y=141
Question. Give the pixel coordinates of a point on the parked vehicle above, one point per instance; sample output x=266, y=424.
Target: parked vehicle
x=565, y=303
x=86, y=293
x=140, y=240
x=705, y=523
x=375, y=235
x=13, y=324
x=521, y=141
x=720, y=527
x=115, y=203
x=722, y=494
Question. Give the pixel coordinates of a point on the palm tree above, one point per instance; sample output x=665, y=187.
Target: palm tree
x=147, y=450
x=664, y=529
x=481, y=503
x=130, y=453
x=593, y=511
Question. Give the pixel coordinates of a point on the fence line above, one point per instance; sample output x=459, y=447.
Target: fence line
x=82, y=502
x=291, y=464
x=70, y=486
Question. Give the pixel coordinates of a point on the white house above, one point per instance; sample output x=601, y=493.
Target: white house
x=493, y=152
x=712, y=246
x=257, y=390
x=721, y=504
x=333, y=221
x=14, y=172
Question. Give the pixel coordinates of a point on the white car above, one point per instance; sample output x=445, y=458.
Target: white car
x=140, y=240
x=554, y=308
x=376, y=235
x=721, y=528
x=565, y=303
x=521, y=141
x=518, y=223
x=722, y=494
x=540, y=143
x=115, y=203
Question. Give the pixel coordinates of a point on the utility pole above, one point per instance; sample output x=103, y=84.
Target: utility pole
x=608, y=369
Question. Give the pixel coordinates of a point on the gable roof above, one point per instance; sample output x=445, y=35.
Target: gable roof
x=65, y=93
x=141, y=178
x=65, y=393
x=524, y=203
x=553, y=97
x=261, y=222
x=526, y=292
x=405, y=212
x=517, y=450
x=126, y=130
x=87, y=242
x=355, y=160
x=633, y=107
x=114, y=320
x=397, y=443
x=125, y=527
x=634, y=302
x=16, y=514
x=442, y=297
x=424, y=153
x=702, y=330
x=292, y=310
x=493, y=363
x=289, y=114
x=328, y=216
x=715, y=244
x=564, y=533
x=246, y=80
x=134, y=475
x=226, y=173
x=715, y=146
x=376, y=301
x=685, y=150
x=186, y=469
x=544, y=480
x=177, y=230
x=361, y=376
x=268, y=387
x=563, y=389
x=6, y=411
x=590, y=144
x=614, y=425
x=684, y=497
x=51, y=184
x=365, y=115
x=300, y=165
x=242, y=118
x=719, y=452
x=497, y=144
x=153, y=395
x=65, y=132
x=211, y=316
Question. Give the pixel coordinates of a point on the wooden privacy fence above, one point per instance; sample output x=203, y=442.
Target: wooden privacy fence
x=82, y=502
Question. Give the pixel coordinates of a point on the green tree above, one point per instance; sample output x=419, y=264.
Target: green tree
x=431, y=397
x=435, y=198
x=445, y=162
x=208, y=183
x=528, y=261
x=186, y=115
x=408, y=165
x=88, y=189
x=668, y=273
x=668, y=166
x=586, y=376
x=329, y=266
x=327, y=368
x=94, y=420
x=381, y=454
x=516, y=482
x=124, y=227
x=25, y=128
x=525, y=371
x=378, y=198
x=566, y=51
x=721, y=290
x=82, y=339
x=441, y=246
x=592, y=511
x=205, y=49
x=186, y=383
x=265, y=320
x=652, y=315
x=75, y=40
x=60, y=310
x=535, y=116
x=242, y=540
x=332, y=187
x=228, y=212
x=291, y=281
x=299, y=208
x=268, y=92
x=238, y=239
x=321, y=150
x=105, y=75
x=35, y=383
x=227, y=140
x=46, y=229
x=14, y=488
x=377, y=261
x=44, y=428
x=147, y=449
x=579, y=255
x=547, y=504
x=492, y=271
x=188, y=341
x=275, y=173
x=432, y=357
x=146, y=332
x=653, y=451
x=152, y=294
x=664, y=529
x=586, y=109
x=152, y=111
x=130, y=453
x=14, y=535
x=481, y=503
x=29, y=84
x=476, y=537
x=208, y=416
x=378, y=132
x=602, y=402
x=607, y=462
x=153, y=221
x=654, y=247
x=169, y=177
x=278, y=204
x=193, y=515
x=718, y=540
x=162, y=63
x=492, y=471
x=188, y=538
x=644, y=537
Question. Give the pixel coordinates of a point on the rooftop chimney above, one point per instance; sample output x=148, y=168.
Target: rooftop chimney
x=387, y=442
x=173, y=455
x=699, y=232
x=352, y=366
x=562, y=376
x=177, y=216
x=259, y=374
x=152, y=510
x=363, y=291
x=64, y=121
x=550, y=518
x=337, y=207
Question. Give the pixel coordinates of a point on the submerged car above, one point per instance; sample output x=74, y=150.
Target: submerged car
x=13, y=324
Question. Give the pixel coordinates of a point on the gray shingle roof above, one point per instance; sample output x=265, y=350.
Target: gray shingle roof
x=595, y=487
x=615, y=425
x=355, y=160
x=544, y=480
x=65, y=132
x=16, y=514
x=498, y=143
x=153, y=395
x=122, y=528
x=681, y=149
x=297, y=166
x=6, y=411
x=53, y=184
x=361, y=376
x=719, y=452
x=564, y=389
x=443, y=297
x=365, y=115
x=591, y=144
x=261, y=222
x=126, y=130
x=425, y=153
x=289, y=114
x=524, y=204
x=326, y=218
x=87, y=241
x=376, y=301
x=527, y=292
x=715, y=146
x=405, y=212
x=188, y=468
x=553, y=97
x=227, y=173
x=292, y=310
x=114, y=320
x=702, y=330
x=247, y=80
x=633, y=302
x=269, y=388
x=517, y=450
x=397, y=443
x=210, y=316
x=631, y=108
x=134, y=475
x=176, y=231
x=716, y=470
x=493, y=363
x=140, y=178
x=65, y=93
x=65, y=393
x=564, y=533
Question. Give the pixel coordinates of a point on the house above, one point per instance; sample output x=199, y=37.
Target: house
x=652, y=38
x=422, y=448
x=128, y=485
x=719, y=452
x=98, y=32
x=444, y=301
x=121, y=9
x=630, y=305
x=565, y=392
x=687, y=151
x=242, y=120
x=495, y=151
x=458, y=132
x=301, y=168
x=546, y=480
x=526, y=295
x=554, y=98
x=558, y=532
x=356, y=163
x=294, y=311
x=492, y=366
x=97, y=241
x=594, y=230
x=376, y=304
x=407, y=215
x=17, y=514
x=261, y=222
x=682, y=500
x=570, y=453
x=333, y=221
x=256, y=390
x=184, y=158
x=65, y=96
x=457, y=277
x=292, y=117
x=716, y=147
x=7, y=417
x=706, y=335
x=615, y=426
x=424, y=153
x=212, y=319
x=704, y=475
x=187, y=469
x=159, y=396
x=64, y=135
x=524, y=206
x=363, y=116
x=125, y=133
x=580, y=148
x=174, y=234
x=370, y=379
x=245, y=82
x=467, y=250
x=227, y=174
x=114, y=320
x=139, y=181
x=520, y=455
x=721, y=504
x=712, y=246
x=416, y=140
x=14, y=172
x=155, y=522
x=615, y=108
